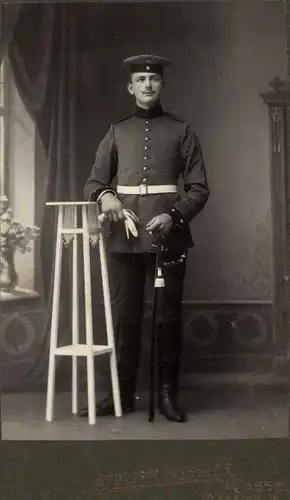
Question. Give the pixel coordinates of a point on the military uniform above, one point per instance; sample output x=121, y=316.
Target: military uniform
x=147, y=153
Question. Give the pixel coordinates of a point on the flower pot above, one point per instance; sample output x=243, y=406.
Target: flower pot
x=8, y=274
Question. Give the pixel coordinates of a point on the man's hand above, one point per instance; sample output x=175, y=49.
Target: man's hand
x=160, y=224
x=112, y=207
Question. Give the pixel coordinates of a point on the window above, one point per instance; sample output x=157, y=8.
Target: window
x=2, y=156
x=17, y=175
x=4, y=115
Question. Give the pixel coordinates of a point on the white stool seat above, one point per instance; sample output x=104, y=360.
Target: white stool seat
x=81, y=350
x=90, y=232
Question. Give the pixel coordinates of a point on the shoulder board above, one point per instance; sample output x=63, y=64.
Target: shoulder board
x=174, y=117
x=123, y=119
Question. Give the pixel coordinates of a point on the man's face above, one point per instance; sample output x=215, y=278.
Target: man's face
x=147, y=88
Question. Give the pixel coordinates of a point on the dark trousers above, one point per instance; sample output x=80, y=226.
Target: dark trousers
x=129, y=274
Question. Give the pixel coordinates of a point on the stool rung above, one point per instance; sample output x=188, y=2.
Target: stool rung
x=81, y=350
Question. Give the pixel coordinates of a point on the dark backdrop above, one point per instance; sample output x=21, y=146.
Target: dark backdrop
x=223, y=54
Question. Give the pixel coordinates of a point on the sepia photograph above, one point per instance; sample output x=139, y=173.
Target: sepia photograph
x=144, y=149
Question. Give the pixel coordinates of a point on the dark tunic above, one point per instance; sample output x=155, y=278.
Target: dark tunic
x=151, y=147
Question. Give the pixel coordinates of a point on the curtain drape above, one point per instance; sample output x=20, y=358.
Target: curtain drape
x=8, y=19
x=41, y=42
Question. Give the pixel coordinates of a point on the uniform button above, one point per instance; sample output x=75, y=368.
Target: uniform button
x=146, y=138
x=145, y=157
x=146, y=147
x=148, y=129
x=144, y=180
x=146, y=122
x=145, y=168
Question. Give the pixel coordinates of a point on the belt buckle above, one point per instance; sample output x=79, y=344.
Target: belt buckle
x=143, y=189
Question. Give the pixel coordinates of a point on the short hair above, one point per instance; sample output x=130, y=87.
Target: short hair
x=131, y=76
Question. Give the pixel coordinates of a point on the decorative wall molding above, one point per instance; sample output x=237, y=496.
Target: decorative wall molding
x=22, y=324
x=276, y=114
x=277, y=99
x=255, y=324
x=216, y=334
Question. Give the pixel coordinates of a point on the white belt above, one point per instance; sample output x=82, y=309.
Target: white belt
x=143, y=189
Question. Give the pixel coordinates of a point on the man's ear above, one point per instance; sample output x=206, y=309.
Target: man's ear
x=130, y=88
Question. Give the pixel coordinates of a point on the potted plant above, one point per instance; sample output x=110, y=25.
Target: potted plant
x=13, y=236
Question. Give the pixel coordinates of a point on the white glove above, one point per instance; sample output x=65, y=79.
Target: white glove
x=130, y=220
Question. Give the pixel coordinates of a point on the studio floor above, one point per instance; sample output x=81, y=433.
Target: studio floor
x=215, y=412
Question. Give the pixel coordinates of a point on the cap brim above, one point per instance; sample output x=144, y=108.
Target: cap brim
x=146, y=60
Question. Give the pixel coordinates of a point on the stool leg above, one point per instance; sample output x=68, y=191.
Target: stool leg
x=54, y=319
x=110, y=328
x=75, y=317
x=89, y=319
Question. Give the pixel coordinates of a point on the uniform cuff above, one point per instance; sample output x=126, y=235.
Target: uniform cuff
x=177, y=218
x=104, y=192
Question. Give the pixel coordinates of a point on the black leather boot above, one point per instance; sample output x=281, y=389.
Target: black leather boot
x=168, y=405
x=169, y=353
x=105, y=407
x=129, y=353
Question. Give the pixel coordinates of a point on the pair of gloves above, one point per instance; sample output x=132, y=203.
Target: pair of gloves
x=130, y=222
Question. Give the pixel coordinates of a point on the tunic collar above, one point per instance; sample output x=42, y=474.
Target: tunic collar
x=149, y=113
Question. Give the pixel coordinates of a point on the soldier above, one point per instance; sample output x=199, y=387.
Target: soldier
x=147, y=152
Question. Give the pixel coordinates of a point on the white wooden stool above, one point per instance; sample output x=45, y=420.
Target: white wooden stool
x=91, y=232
